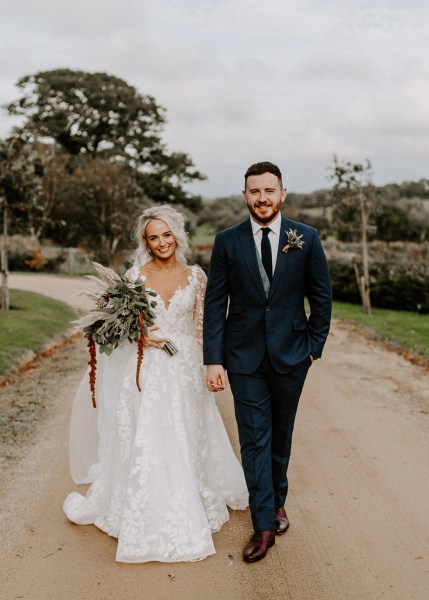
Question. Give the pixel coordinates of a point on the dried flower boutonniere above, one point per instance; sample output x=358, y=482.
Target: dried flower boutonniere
x=293, y=240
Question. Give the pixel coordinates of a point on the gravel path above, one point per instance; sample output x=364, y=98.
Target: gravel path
x=358, y=505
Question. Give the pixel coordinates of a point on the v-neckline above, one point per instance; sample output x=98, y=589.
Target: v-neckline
x=179, y=289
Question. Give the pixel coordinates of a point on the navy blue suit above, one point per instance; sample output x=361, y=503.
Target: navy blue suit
x=264, y=342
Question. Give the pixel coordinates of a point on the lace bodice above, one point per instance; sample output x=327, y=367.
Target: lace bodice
x=182, y=316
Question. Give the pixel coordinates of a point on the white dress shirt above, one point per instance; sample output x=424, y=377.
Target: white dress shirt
x=273, y=236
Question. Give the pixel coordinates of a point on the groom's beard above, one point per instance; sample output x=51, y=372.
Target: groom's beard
x=263, y=220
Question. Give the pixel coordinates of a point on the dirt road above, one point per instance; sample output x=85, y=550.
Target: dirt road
x=358, y=504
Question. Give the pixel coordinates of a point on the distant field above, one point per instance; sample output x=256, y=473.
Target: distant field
x=30, y=322
x=203, y=236
x=318, y=211
x=407, y=202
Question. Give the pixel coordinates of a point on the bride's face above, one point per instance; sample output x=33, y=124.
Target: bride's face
x=160, y=240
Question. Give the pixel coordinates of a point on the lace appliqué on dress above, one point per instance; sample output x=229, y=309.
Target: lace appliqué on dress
x=166, y=471
x=200, y=292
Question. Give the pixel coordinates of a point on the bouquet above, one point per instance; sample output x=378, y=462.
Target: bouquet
x=123, y=312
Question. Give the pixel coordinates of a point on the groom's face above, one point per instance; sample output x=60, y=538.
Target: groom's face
x=264, y=196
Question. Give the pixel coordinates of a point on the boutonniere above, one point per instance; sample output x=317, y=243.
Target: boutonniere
x=293, y=240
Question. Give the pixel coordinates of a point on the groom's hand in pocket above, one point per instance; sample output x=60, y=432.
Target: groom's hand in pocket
x=215, y=378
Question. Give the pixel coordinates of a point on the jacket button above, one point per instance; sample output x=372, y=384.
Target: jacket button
x=268, y=308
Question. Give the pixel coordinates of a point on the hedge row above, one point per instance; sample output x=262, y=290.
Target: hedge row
x=33, y=261
x=393, y=286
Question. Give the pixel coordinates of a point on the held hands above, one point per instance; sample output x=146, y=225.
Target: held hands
x=215, y=378
x=152, y=340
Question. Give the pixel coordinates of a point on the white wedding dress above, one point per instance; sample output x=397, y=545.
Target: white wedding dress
x=160, y=462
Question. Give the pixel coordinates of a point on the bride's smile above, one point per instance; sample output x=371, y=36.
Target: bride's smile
x=161, y=242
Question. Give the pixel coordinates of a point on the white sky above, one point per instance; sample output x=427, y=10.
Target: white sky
x=291, y=81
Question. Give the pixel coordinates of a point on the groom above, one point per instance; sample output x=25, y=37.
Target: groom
x=255, y=327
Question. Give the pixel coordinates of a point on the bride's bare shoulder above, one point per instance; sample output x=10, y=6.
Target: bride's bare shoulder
x=149, y=270
x=146, y=269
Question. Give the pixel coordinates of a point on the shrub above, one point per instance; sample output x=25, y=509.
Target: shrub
x=34, y=261
x=399, y=275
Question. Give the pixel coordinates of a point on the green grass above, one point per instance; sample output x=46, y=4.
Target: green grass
x=403, y=329
x=30, y=322
x=203, y=235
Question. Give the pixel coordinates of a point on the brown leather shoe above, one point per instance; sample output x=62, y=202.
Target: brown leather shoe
x=257, y=547
x=281, y=521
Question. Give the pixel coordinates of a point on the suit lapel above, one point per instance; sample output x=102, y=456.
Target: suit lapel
x=249, y=251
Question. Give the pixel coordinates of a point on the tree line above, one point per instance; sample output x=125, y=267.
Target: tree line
x=399, y=212
x=376, y=237
x=88, y=157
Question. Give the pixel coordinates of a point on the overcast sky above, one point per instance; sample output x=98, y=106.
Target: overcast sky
x=291, y=81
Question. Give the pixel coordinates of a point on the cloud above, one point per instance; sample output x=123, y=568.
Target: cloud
x=292, y=81
x=80, y=19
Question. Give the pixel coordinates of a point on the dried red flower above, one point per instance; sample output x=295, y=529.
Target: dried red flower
x=92, y=367
x=140, y=349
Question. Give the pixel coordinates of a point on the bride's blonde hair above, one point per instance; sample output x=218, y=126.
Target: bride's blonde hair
x=176, y=224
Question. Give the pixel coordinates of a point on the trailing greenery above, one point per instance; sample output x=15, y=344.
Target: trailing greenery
x=30, y=322
x=402, y=329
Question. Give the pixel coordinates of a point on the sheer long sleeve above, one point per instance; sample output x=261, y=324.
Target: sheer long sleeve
x=200, y=291
x=133, y=273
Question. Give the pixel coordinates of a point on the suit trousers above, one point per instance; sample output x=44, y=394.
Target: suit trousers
x=265, y=407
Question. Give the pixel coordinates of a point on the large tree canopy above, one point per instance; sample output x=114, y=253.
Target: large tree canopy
x=100, y=115
x=90, y=112
x=90, y=159
x=97, y=209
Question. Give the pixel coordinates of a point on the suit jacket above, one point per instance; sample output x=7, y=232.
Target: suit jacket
x=241, y=322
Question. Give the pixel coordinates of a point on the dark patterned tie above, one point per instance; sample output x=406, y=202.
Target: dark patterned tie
x=267, y=259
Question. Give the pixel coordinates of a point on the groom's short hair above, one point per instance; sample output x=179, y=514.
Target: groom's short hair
x=261, y=168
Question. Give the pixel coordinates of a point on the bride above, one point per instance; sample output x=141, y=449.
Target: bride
x=160, y=464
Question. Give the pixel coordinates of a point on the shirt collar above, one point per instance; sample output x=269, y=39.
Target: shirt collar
x=275, y=225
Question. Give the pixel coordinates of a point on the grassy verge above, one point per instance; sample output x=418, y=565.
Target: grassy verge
x=30, y=322
x=33, y=319
x=403, y=329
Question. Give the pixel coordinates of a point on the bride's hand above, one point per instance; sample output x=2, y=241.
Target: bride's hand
x=215, y=378
x=153, y=341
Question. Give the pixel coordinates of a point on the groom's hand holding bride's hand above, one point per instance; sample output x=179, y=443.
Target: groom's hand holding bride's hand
x=215, y=378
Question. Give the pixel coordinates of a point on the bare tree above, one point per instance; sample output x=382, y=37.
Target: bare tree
x=4, y=252
x=353, y=196
x=10, y=150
